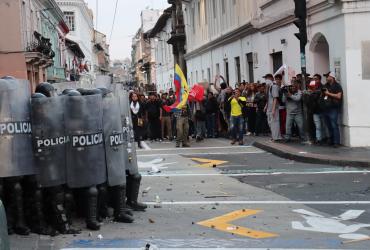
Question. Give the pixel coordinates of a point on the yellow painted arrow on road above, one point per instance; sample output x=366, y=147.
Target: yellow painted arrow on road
x=223, y=223
x=207, y=163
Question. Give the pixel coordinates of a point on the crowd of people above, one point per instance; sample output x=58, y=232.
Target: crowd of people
x=281, y=110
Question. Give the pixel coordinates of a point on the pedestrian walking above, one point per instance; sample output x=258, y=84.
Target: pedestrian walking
x=154, y=114
x=211, y=111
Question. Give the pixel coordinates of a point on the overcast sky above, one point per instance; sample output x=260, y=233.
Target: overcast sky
x=126, y=24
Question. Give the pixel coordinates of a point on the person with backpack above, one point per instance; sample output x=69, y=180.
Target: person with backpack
x=238, y=106
x=272, y=108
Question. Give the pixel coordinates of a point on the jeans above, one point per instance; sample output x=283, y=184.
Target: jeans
x=317, y=119
x=274, y=123
x=155, y=128
x=261, y=122
x=211, y=125
x=237, y=127
x=166, y=124
x=200, y=128
x=298, y=119
x=331, y=120
x=182, y=130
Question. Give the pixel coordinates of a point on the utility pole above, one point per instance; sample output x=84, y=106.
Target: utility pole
x=301, y=15
x=178, y=37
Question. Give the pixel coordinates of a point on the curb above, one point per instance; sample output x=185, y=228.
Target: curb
x=312, y=158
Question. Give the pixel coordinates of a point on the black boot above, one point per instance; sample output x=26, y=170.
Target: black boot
x=39, y=225
x=121, y=213
x=17, y=201
x=68, y=205
x=59, y=213
x=91, y=214
x=133, y=186
x=103, y=212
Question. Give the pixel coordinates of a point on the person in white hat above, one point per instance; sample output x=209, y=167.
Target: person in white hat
x=333, y=96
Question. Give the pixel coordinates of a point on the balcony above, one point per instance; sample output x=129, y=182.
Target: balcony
x=56, y=74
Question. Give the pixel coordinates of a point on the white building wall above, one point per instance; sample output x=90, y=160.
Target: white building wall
x=339, y=23
x=164, y=59
x=84, y=28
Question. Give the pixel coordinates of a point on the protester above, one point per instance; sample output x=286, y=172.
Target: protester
x=251, y=109
x=137, y=114
x=166, y=123
x=292, y=98
x=237, y=102
x=199, y=120
x=332, y=95
x=154, y=114
x=261, y=119
x=272, y=108
x=182, y=127
x=211, y=111
x=313, y=104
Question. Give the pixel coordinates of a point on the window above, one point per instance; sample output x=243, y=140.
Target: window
x=70, y=19
x=209, y=74
x=237, y=67
x=214, y=5
x=199, y=15
x=223, y=6
x=217, y=68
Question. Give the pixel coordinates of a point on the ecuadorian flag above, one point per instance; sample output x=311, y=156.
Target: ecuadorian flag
x=182, y=91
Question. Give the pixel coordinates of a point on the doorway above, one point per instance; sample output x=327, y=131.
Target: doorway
x=320, y=51
x=250, y=64
x=277, y=61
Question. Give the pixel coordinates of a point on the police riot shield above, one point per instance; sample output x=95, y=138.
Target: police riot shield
x=113, y=141
x=49, y=140
x=16, y=156
x=131, y=159
x=83, y=117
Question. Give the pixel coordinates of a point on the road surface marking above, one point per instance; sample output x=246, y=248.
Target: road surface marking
x=333, y=225
x=192, y=248
x=258, y=174
x=261, y=203
x=185, y=154
x=208, y=163
x=145, y=145
x=155, y=165
x=222, y=223
x=198, y=148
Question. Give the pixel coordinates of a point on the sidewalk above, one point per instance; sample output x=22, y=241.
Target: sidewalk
x=343, y=156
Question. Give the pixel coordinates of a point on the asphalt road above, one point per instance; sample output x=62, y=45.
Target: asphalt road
x=214, y=195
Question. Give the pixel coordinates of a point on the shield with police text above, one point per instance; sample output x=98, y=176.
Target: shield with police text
x=131, y=158
x=49, y=140
x=83, y=117
x=16, y=154
x=113, y=141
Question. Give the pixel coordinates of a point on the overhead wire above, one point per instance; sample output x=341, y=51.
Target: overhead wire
x=114, y=19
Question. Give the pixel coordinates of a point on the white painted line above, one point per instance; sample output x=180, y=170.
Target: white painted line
x=199, y=148
x=259, y=174
x=185, y=154
x=269, y=248
x=145, y=145
x=261, y=203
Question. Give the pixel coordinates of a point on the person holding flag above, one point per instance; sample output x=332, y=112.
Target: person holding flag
x=180, y=108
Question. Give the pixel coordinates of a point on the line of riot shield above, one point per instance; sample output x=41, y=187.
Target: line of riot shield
x=131, y=159
x=114, y=141
x=16, y=152
x=49, y=140
x=85, y=151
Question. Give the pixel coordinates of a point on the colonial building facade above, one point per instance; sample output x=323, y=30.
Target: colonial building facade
x=80, y=21
x=164, y=63
x=143, y=50
x=32, y=40
x=243, y=40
